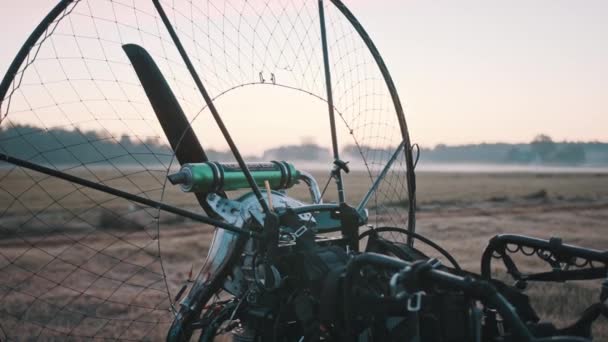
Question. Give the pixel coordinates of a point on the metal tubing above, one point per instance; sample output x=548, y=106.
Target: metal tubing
x=330, y=102
x=417, y=236
x=380, y=177
x=313, y=187
x=27, y=46
x=409, y=160
x=485, y=292
x=128, y=196
x=499, y=242
x=479, y=289
x=211, y=105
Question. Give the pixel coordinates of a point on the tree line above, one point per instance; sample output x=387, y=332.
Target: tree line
x=64, y=146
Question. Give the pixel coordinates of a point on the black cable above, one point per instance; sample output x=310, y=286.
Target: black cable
x=417, y=236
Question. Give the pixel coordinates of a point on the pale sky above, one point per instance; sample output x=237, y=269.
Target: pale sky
x=466, y=71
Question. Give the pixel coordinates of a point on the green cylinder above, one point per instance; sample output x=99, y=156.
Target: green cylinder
x=215, y=177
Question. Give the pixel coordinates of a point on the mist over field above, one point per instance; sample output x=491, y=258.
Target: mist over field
x=542, y=154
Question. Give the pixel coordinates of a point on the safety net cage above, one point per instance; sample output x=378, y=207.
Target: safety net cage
x=87, y=249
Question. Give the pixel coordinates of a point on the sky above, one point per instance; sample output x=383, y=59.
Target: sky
x=467, y=71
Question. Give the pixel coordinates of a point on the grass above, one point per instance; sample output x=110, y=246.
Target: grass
x=63, y=250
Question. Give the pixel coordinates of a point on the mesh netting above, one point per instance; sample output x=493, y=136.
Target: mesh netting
x=79, y=263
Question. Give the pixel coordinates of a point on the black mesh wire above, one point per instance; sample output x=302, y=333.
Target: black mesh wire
x=78, y=263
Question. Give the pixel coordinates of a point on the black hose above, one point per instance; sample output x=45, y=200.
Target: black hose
x=478, y=289
x=416, y=236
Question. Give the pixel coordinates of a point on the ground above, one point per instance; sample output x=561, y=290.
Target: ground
x=62, y=277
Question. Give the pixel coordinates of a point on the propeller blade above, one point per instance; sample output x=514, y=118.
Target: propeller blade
x=172, y=118
x=175, y=124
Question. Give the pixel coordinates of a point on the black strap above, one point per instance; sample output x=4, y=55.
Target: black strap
x=510, y=264
x=519, y=300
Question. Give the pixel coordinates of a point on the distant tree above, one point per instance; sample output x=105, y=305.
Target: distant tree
x=517, y=155
x=570, y=154
x=297, y=152
x=543, y=146
x=350, y=150
x=125, y=139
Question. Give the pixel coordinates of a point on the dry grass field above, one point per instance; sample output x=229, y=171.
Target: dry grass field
x=461, y=212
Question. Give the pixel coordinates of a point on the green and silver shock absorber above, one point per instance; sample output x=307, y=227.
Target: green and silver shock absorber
x=215, y=177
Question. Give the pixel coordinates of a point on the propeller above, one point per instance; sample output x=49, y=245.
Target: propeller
x=172, y=118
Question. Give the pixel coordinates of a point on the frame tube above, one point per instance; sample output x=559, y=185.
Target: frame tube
x=126, y=195
x=380, y=177
x=27, y=46
x=411, y=177
x=211, y=105
x=330, y=102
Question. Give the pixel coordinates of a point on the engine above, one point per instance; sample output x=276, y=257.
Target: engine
x=301, y=273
